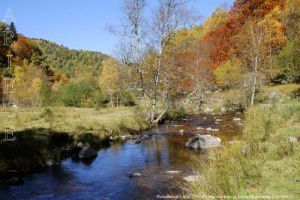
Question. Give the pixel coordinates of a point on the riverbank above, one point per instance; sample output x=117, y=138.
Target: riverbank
x=31, y=138
x=265, y=160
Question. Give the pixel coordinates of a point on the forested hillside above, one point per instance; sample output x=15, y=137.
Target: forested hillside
x=44, y=72
x=71, y=63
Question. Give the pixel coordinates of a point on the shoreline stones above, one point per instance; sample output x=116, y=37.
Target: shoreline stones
x=236, y=119
x=203, y=142
x=208, y=111
x=200, y=128
x=181, y=132
x=87, y=152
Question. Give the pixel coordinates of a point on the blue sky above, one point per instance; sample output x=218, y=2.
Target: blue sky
x=77, y=24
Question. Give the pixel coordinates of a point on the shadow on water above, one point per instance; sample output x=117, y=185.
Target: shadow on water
x=107, y=175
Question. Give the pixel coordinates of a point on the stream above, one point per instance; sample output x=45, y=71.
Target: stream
x=107, y=176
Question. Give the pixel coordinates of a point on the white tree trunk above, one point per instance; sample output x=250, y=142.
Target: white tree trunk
x=254, y=80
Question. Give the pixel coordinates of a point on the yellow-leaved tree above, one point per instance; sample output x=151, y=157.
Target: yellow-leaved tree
x=110, y=79
x=228, y=74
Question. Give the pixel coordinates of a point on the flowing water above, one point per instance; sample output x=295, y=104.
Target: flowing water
x=106, y=177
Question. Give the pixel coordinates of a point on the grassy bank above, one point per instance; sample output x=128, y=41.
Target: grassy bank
x=42, y=134
x=265, y=161
x=106, y=121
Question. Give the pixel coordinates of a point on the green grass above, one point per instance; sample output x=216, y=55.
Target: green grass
x=264, y=162
x=42, y=132
x=106, y=121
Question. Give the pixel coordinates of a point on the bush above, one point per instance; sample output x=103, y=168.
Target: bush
x=75, y=93
x=126, y=98
x=177, y=113
x=100, y=99
x=45, y=94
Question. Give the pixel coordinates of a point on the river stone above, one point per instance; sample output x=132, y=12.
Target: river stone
x=274, y=96
x=173, y=172
x=143, y=137
x=80, y=145
x=293, y=139
x=223, y=110
x=191, y=178
x=200, y=128
x=208, y=129
x=50, y=163
x=136, y=174
x=203, y=142
x=87, y=152
x=208, y=111
x=236, y=119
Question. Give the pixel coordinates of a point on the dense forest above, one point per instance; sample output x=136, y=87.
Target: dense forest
x=254, y=43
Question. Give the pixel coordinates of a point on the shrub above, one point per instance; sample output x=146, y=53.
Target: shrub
x=45, y=94
x=126, y=98
x=75, y=93
x=100, y=99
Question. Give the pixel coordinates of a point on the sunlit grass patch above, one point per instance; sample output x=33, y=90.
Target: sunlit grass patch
x=264, y=162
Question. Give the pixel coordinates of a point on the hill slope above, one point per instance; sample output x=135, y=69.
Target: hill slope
x=70, y=62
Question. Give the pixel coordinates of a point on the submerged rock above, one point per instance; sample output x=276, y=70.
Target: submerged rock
x=203, y=142
x=134, y=175
x=15, y=181
x=143, y=137
x=87, y=152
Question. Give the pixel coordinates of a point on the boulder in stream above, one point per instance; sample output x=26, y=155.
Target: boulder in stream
x=203, y=142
